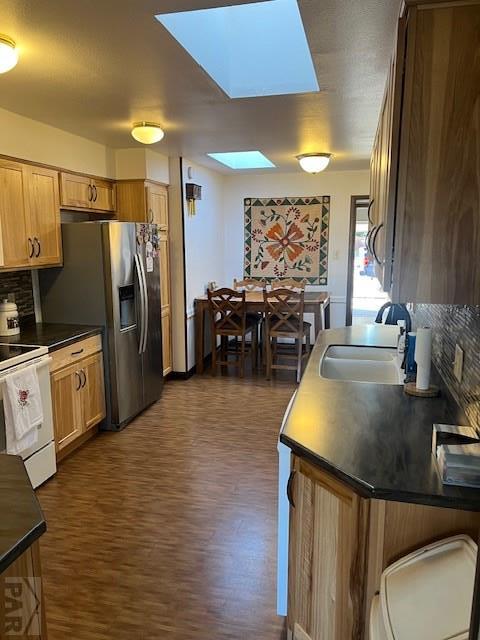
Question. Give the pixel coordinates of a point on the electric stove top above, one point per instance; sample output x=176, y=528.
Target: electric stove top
x=13, y=354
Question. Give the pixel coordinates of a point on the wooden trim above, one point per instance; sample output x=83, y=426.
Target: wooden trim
x=438, y=4
x=185, y=320
x=55, y=168
x=351, y=255
x=325, y=480
x=374, y=562
x=143, y=180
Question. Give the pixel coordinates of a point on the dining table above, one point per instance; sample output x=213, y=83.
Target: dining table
x=315, y=302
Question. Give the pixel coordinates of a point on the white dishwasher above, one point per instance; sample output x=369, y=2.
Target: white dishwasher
x=284, y=458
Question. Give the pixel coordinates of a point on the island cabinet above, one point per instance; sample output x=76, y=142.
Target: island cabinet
x=339, y=544
x=78, y=393
x=147, y=201
x=81, y=192
x=425, y=184
x=30, y=234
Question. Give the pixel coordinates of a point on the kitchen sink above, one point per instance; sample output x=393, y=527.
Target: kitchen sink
x=361, y=364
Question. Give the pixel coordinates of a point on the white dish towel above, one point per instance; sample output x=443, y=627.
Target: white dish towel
x=22, y=405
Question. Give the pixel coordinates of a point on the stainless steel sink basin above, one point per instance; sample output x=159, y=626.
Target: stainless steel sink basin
x=361, y=364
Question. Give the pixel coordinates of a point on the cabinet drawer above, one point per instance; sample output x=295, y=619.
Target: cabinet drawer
x=76, y=351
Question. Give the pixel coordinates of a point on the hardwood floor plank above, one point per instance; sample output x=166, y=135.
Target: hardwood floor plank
x=168, y=528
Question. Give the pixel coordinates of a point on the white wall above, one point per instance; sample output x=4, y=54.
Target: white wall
x=32, y=140
x=340, y=186
x=204, y=242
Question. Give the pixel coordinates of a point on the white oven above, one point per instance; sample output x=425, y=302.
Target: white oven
x=40, y=460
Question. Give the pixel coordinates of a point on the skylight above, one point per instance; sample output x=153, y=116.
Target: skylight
x=243, y=159
x=256, y=49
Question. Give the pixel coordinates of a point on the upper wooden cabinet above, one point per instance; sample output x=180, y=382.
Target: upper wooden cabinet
x=29, y=216
x=84, y=192
x=425, y=186
x=142, y=201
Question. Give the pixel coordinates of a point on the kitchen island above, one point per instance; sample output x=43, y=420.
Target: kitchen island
x=22, y=610
x=364, y=488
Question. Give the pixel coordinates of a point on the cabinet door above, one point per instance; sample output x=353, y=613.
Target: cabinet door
x=103, y=195
x=328, y=537
x=15, y=246
x=157, y=205
x=44, y=216
x=93, y=390
x=75, y=191
x=437, y=240
x=67, y=405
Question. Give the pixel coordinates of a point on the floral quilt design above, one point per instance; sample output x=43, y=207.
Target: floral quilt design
x=287, y=238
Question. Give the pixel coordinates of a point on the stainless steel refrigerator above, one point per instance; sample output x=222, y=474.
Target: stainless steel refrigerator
x=111, y=278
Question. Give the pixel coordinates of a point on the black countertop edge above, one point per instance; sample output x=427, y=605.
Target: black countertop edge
x=52, y=335
x=22, y=545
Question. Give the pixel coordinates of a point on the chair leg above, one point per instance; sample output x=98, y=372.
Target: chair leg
x=308, y=347
x=254, y=347
x=214, y=354
x=242, y=358
x=268, y=350
x=299, y=360
x=224, y=347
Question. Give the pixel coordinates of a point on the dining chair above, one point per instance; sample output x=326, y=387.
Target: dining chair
x=228, y=318
x=247, y=284
x=289, y=283
x=284, y=319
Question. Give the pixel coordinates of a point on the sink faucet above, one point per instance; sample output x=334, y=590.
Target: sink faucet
x=396, y=312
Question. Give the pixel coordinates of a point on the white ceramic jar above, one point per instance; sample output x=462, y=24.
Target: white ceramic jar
x=9, y=325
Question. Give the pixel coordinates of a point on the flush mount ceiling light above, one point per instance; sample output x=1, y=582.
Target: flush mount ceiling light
x=147, y=132
x=314, y=162
x=8, y=54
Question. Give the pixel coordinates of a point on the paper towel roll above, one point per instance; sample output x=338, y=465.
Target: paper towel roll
x=423, y=356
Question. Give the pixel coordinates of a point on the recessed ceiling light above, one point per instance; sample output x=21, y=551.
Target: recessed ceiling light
x=314, y=162
x=243, y=159
x=252, y=49
x=8, y=54
x=147, y=132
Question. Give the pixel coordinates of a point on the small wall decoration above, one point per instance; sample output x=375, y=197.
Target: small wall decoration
x=287, y=238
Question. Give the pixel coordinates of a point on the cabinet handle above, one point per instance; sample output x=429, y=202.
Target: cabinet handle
x=291, y=478
x=370, y=205
x=150, y=215
x=374, y=239
x=36, y=242
x=94, y=193
x=84, y=377
x=367, y=240
x=79, y=386
x=32, y=248
x=76, y=353
x=90, y=193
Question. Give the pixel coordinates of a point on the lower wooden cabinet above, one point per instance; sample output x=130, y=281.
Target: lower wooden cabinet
x=78, y=393
x=328, y=536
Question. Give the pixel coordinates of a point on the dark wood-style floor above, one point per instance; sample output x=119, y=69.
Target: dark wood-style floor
x=168, y=528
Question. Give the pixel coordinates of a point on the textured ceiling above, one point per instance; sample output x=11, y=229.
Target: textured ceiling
x=93, y=67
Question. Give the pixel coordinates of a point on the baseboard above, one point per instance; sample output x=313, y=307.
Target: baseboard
x=186, y=375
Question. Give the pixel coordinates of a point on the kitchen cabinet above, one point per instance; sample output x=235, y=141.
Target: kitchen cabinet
x=78, y=392
x=427, y=235
x=147, y=201
x=326, y=554
x=339, y=545
x=84, y=192
x=29, y=216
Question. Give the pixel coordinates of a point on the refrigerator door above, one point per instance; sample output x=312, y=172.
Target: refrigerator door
x=152, y=343
x=125, y=304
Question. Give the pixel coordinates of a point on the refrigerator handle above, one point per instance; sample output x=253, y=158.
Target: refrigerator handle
x=145, y=298
x=142, y=302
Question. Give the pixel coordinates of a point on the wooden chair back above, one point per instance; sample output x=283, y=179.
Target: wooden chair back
x=289, y=283
x=284, y=312
x=227, y=311
x=249, y=285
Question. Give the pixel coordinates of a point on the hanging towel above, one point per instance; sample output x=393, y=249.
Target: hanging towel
x=23, y=409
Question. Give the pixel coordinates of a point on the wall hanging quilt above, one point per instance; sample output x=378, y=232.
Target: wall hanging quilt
x=287, y=238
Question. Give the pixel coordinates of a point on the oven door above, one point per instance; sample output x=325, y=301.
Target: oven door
x=45, y=429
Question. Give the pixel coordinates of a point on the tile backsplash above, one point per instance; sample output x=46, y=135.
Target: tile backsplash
x=453, y=325
x=18, y=283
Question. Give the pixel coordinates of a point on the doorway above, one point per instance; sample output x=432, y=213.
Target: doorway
x=365, y=295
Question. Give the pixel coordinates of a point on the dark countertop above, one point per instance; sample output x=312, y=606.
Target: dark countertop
x=52, y=335
x=21, y=519
x=373, y=437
